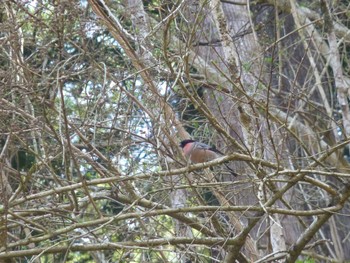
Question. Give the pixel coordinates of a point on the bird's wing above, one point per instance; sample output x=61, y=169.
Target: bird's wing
x=200, y=145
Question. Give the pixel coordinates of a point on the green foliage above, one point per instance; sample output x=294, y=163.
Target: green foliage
x=78, y=257
x=268, y=59
x=247, y=66
x=307, y=260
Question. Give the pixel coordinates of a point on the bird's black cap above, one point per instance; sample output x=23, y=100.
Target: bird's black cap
x=184, y=142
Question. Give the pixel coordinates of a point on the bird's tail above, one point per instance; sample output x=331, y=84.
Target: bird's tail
x=230, y=169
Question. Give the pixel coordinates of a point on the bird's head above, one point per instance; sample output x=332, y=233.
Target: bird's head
x=184, y=142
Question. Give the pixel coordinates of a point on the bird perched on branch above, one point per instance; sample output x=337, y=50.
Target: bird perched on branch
x=199, y=152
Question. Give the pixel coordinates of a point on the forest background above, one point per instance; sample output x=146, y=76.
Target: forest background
x=96, y=96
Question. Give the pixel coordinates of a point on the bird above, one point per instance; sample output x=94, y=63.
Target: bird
x=198, y=152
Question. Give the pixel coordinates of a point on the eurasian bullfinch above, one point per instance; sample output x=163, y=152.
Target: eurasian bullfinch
x=199, y=152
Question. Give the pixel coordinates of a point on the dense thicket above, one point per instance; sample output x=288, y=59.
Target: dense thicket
x=96, y=96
